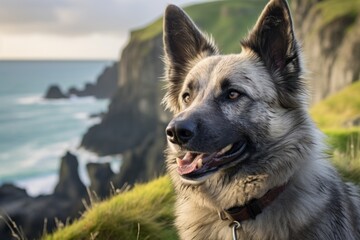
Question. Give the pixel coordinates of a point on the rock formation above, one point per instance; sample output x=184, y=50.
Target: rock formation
x=29, y=213
x=101, y=177
x=135, y=122
x=105, y=86
x=69, y=184
x=54, y=92
x=331, y=44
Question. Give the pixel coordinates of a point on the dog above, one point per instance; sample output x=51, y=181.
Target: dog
x=244, y=156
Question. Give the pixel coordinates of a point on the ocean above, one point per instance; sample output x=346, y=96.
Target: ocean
x=34, y=132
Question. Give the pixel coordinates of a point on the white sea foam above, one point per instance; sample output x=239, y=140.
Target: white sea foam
x=30, y=100
x=93, y=120
x=30, y=159
x=89, y=99
x=38, y=99
x=48, y=160
x=39, y=185
x=81, y=115
x=85, y=117
x=37, y=132
x=85, y=157
x=45, y=184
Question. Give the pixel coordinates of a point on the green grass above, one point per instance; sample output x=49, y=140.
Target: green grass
x=145, y=212
x=227, y=21
x=333, y=115
x=338, y=109
x=345, y=152
x=333, y=9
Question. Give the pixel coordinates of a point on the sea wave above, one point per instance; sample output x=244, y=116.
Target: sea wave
x=38, y=99
x=38, y=172
x=81, y=115
x=31, y=159
x=85, y=157
x=86, y=118
x=39, y=185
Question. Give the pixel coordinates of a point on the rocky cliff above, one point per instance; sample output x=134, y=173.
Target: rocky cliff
x=104, y=87
x=36, y=215
x=330, y=33
x=135, y=122
x=133, y=125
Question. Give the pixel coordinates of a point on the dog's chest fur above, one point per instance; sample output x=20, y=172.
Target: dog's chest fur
x=328, y=210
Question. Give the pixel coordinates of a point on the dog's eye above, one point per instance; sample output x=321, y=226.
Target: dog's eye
x=186, y=97
x=233, y=94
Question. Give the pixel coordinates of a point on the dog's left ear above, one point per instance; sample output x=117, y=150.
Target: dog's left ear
x=273, y=40
x=184, y=46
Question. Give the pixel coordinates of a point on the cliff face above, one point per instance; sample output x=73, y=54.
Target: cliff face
x=133, y=125
x=104, y=87
x=330, y=33
x=135, y=122
x=133, y=112
x=36, y=215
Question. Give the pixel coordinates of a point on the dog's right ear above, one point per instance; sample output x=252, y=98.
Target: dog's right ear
x=184, y=46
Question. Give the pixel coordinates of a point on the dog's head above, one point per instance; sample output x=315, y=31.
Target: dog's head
x=231, y=112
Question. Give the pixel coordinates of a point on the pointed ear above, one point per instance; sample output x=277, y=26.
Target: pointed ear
x=184, y=46
x=273, y=40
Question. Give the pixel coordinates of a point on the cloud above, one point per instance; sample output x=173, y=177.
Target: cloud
x=42, y=46
x=72, y=29
x=78, y=17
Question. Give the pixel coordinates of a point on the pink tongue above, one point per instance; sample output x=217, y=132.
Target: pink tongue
x=188, y=163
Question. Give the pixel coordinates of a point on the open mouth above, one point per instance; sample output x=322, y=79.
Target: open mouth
x=195, y=165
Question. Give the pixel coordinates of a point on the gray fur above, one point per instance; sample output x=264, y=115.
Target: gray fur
x=283, y=144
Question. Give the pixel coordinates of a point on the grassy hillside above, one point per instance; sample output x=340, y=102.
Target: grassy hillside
x=227, y=21
x=337, y=110
x=334, y=9
x=334, y=116
x=145, y=212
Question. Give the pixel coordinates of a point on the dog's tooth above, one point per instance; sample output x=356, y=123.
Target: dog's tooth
x=199, y=163
x=225, y=149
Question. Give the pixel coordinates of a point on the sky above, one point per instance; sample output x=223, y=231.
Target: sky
x=73, y=29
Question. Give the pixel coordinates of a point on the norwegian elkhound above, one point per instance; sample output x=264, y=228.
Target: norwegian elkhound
x=246, y=160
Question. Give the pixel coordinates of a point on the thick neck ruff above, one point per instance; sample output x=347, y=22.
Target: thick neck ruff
x=253, y=208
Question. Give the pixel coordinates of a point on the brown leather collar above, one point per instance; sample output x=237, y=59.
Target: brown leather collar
x=253, y=208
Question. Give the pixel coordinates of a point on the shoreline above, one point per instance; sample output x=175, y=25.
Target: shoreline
x=44, y=183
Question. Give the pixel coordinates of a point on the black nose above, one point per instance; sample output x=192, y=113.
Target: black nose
x=180, y=132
